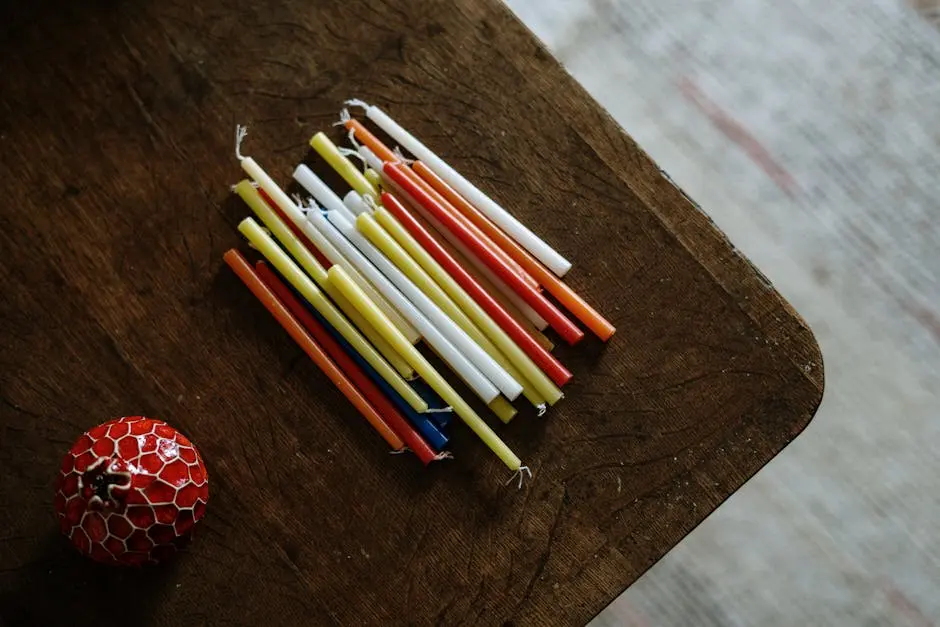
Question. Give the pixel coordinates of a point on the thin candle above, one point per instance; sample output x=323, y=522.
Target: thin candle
x=358, y=371
x=320, y=191
x=308, y=289
x=510, y=300
x=414, y=288
x=558, y=321
x=539, y=354
x=243, y=269
x=331, y=154
x=557, y=288
x=535, y=245
x=339, y=233
x=313, y=268
x=474, y=313
x=426, y=370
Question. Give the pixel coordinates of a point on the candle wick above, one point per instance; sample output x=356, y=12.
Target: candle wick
x=240, y=133
x=355, y=102
x=352, y=136
x=370, y=202
x=401, y=156
x=443, y=455
x=349, y=152
x=344, y=117
x=439, y=410
x=542, y=408
x=520, y=474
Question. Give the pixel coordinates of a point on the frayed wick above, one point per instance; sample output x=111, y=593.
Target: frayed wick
x=439, y=410
x=541, y=408
x=343, y=117
x=520, y=475
x=355, y=102
x=349, y=152
x=352, y=138
x=241, y=132
x=400, y=451
x=401, y=156
x=443, y=455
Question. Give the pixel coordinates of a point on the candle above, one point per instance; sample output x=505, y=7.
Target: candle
x=314, y=250
x=296, y=217
x=321, y=192
x=557, y=288
x=477, y=318
x=362, y=375
x=539, y=354
x=374, y=162
x=428, y=285
x=243, y=269
x=426, y=370
x=304, y=257
x=413, y=286
x=303, y=284
x=518, y=231
x=331, y=154
x=558, y=321
x=342, y=235
x=509, y=299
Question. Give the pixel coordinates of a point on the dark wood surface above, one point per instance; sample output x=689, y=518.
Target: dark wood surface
x=116, y=156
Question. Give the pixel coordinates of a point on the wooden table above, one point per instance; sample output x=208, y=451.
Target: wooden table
x=116, y=153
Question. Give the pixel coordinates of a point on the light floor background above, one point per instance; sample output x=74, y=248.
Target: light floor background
x=810, y=132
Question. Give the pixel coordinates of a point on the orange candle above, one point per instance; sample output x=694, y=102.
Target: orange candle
x=555, y=286
x=250, y=278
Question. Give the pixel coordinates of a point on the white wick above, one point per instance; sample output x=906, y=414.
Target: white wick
x=355, y=102
x=241, y=132
x=520, y=474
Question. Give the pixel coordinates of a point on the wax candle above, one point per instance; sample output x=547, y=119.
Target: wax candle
x=243, y=269
x=414, y=287
x=331, y=154
x=558, y=321
x=535, y=245
x=296, y=277
x=557, y=288
x=426, y=370
x=402, y=260
x=515, y=305
x=475, y=314
x=304, y=257
x=339, y=233
x=359, y=372
x=539, y=354
x=320, y=191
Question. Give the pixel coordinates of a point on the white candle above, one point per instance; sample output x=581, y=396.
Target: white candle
x=502, y=218
x=480, y=385
x=354, y=202
x=321, y=191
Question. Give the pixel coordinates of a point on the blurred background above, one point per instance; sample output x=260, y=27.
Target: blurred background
x=810, y=132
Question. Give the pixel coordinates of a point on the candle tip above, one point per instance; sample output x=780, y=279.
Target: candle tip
x=520, y=475
x=542, y=408
x=355, y=102
x=401, y=156
x=344, y=117
x=240, y=133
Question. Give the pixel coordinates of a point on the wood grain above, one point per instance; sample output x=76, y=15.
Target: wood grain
x=116, y=132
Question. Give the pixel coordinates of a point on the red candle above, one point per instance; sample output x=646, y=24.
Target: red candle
x=250, y=278
x=542, y=306
x=544, y=359
x=370, y=390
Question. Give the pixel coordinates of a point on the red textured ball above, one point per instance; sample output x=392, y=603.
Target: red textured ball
x=131, y=491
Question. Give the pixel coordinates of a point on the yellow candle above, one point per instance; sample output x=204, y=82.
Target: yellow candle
x=373, y=177
x=422, y=278
x=536, y=384
x=302, y=283
x=350, y=173
x=313, y=268
x=424, y=368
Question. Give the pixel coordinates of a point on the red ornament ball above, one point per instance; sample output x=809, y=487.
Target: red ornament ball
x=130, y=491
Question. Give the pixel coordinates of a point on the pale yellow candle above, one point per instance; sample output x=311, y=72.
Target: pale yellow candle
x=428, y=284
x=374, y=177
x=313, y=268
x=424, y=369
x=536, y=384
x=308, y=289
x=343, y=166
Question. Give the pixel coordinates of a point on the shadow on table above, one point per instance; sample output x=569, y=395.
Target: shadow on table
x=60, y=587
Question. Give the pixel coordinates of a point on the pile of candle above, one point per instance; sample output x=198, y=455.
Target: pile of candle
x=414, y=254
